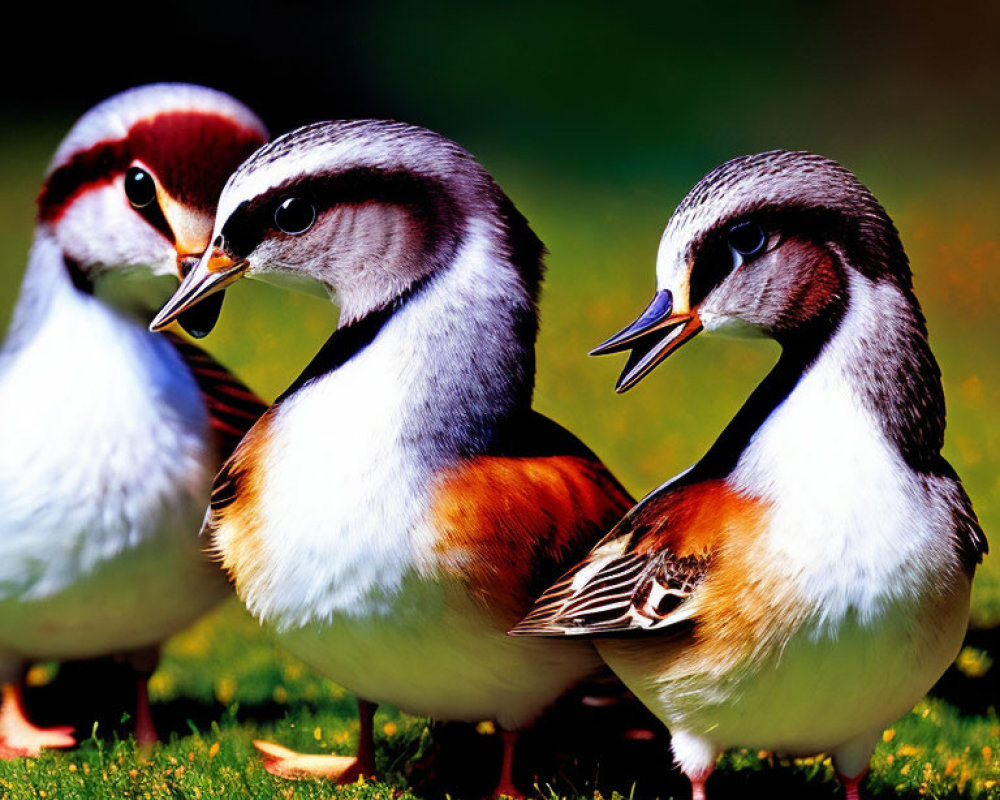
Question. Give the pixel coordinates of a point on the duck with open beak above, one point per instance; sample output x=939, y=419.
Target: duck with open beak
x=804, y=583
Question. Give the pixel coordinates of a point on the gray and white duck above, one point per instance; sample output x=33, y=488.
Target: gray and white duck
x=807, y=581
x=401, y=504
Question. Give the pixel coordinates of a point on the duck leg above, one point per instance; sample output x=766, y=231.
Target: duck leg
x=18, y=736
x=851, y=785
x=506, y=786
x=851, y=760
x=289, y=764
x=696, y=758
x=145, y=730
x=698, y=784
x=144, y=662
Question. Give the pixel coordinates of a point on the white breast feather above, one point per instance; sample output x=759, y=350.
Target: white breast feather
x=106, y=452
x=353, y=578
x=345, y=477
x=851, y=524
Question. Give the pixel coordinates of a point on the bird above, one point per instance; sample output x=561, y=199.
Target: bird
x=807, y=581
x=400, y=505
x=111, y=434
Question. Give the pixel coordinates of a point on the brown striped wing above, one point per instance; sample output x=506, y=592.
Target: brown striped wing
x=616, y=590
x=232, y=407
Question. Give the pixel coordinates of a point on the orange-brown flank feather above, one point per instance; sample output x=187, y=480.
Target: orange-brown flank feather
x=690, y=520
x=510, y=525
x=507, y=525
x=233, y=511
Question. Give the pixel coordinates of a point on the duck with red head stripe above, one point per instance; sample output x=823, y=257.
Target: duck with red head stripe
x=112, y=434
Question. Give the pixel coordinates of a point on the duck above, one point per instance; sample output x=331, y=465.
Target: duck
x=400, y=505
x=804, y=584
x=112, y=434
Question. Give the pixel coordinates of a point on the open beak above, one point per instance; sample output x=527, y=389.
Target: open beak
x=651, y=338
x=213, y=273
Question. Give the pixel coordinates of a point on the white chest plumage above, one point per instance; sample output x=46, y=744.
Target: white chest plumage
x=866, y=553
x=352, y=576
x=852, y=524
x=351, y=457
x=354, y=584
x=104, y=474
x=341, y=494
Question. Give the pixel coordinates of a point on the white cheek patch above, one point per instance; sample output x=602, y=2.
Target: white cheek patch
x=101, y=231
x=673, y=274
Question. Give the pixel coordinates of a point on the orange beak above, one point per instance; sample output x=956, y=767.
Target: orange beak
x=213, y=273
x=192, y=230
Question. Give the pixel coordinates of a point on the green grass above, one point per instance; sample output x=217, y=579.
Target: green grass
x=224, y=665
x=235, y=685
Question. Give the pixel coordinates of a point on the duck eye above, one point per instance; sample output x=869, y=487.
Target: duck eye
x=140, y=189
x=747, y=239
x=294, y=215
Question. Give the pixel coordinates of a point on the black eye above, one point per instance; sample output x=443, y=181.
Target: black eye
x=139, y=187
x=747, y=238
x=294, y=215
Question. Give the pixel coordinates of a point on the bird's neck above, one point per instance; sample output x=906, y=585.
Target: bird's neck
x=54, y=289
x=449, y=362
x=58, y=314
x=863, y=375
x=863, y=511
x=50, y=283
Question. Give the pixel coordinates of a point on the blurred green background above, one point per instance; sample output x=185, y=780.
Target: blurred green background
x=596, y=118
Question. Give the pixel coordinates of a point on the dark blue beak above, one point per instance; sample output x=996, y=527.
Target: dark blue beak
x=651, y=338
x=649, y=320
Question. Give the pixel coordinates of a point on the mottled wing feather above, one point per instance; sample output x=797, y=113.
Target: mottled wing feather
x=594, y=596
x=232, y=407
x=612, y=595
x=632, y=581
